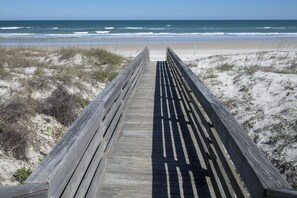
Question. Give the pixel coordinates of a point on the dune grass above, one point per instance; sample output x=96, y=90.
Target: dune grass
x=52, y=83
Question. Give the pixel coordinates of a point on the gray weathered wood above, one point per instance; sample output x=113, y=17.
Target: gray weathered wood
x=25, y=191
x=281, y=193
x=256, y=171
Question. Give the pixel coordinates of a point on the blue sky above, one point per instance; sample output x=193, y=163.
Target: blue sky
x=150, y=9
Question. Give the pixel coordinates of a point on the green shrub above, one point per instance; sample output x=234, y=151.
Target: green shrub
x=22, y=174
x=82, y=102
x=225, y=67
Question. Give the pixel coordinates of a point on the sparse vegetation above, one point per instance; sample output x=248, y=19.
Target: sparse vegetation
x=67, y=53
x=58, y=133
x=225, y=67
x=81, y=101
x=105, y=75
x=210, y=73
x=104, y=57
x=22, y=174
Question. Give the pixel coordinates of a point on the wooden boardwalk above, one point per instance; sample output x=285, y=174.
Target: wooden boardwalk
x=155, y=155
x=155, y=131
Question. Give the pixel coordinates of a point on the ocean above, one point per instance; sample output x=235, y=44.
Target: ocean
x=113, y=32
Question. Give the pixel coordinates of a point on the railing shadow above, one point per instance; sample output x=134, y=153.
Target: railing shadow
x=176, y=167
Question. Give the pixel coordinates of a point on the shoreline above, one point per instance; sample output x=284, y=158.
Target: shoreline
x=187, y=50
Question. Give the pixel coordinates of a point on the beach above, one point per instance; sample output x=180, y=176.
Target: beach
x=254, y=76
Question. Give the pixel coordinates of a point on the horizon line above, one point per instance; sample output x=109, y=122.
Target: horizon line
x=147, y=19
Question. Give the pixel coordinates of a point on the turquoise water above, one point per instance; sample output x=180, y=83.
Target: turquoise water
x=110, y=32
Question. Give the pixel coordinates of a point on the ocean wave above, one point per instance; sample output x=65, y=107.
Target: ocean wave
x=157, y=28
x=168, y=25
x=55, y=28
x=80, y=32
x=133, y=28
x=10, y=28
x=102, y=32
x=109, y=28
x=268, y=27
x=16, y=34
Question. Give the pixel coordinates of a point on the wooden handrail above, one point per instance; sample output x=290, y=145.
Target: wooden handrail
x=220, y=132
x=76, y=164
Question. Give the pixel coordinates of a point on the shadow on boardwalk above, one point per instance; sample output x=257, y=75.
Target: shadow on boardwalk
x=177, y=170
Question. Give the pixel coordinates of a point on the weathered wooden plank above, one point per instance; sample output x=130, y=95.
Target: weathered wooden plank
x=281, y=193
x=25, y=191
x=256, y=171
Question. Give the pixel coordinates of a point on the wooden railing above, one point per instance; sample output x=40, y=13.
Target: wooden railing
x=236, y=165
x=74, y=167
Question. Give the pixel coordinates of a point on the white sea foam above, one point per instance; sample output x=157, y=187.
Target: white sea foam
x=109, y=28
x=15, y=34
x=55, y=28
x=168, y=25
x=102, y=32
x=133, y=28
x=10, y=28
x=157, y=28
x=80, y=32
x=276, y=28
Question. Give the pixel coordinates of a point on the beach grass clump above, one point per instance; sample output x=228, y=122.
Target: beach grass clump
x=22, y=174
x=105, y=75
x=58, y=133
x=14, y=134
x=67, y=53
x=104, y=57
x=210, y=73
x=61, y=105
x=225, y=67
x=3, y=72
x=38, y=83
x=81, y=101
